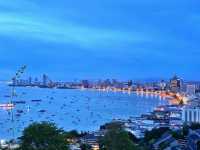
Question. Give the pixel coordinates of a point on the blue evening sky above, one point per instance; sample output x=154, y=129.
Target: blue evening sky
x=121, y=39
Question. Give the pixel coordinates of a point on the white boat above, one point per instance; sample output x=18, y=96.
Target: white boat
x=7, y=105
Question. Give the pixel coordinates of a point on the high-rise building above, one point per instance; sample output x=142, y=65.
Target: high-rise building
x=107, y=83
x=175, y=84
x=14, y=81
x=190, y=89
x=44, y=80
x=130, y=83
x=163, y=85
x=85, y=83
x=30, y=81
x=36, y=81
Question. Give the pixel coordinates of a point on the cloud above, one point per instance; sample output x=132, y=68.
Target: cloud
x=139, y=35
x=32, y=27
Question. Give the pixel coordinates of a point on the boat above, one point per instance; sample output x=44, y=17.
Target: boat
x=20, y=111
x=8, y=96
x=7, y=105
x=19, y=102
x=36, y=100
x=42, y=111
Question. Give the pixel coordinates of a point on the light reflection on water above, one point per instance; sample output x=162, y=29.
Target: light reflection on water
x=71, y=109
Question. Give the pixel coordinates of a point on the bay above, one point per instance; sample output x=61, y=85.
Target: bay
x=82, y=110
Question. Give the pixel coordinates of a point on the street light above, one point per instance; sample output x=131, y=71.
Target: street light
x=16, y=77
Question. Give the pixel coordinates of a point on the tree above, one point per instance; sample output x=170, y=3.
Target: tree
x=195, y=126
x=133, y=138
x=43, y=136
x=178, y=134
x=198, y=145
x=117, y=139
x=112, y=125
x=151, y=136
x=72, y=134
x=86, y=147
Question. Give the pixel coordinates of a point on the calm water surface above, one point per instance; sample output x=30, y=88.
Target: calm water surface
x=71, y=109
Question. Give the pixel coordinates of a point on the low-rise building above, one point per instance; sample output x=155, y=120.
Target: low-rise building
x=191, y=114
x=92, y=140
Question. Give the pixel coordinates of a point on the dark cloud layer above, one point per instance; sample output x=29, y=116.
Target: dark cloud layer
x=101, y=38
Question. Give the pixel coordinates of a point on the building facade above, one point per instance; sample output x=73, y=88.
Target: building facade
x=175, y=84
x=191, y=115
x=190, y=89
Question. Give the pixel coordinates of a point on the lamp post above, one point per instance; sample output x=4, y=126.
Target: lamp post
x=16, y=77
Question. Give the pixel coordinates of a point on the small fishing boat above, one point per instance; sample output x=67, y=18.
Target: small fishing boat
x=19, y=102
x=42, y=111
x=20, y=111
x=36, y=100
x=8, y=96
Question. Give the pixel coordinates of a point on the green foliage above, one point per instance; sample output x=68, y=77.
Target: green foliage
x=154, y=134
x=43, y=136
x=178, y=134
x=198, y=145
x=117, y=139
x=133, y=138
x=185, y=130
x=113, y=125
x=72, y=134
x=86, y=147
x=164, y=145
x=195, y=126
x=192, y=126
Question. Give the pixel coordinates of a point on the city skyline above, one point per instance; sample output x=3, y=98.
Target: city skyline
x=100, y=39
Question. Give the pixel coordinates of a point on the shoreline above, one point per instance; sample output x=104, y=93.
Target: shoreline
x=112, y=118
